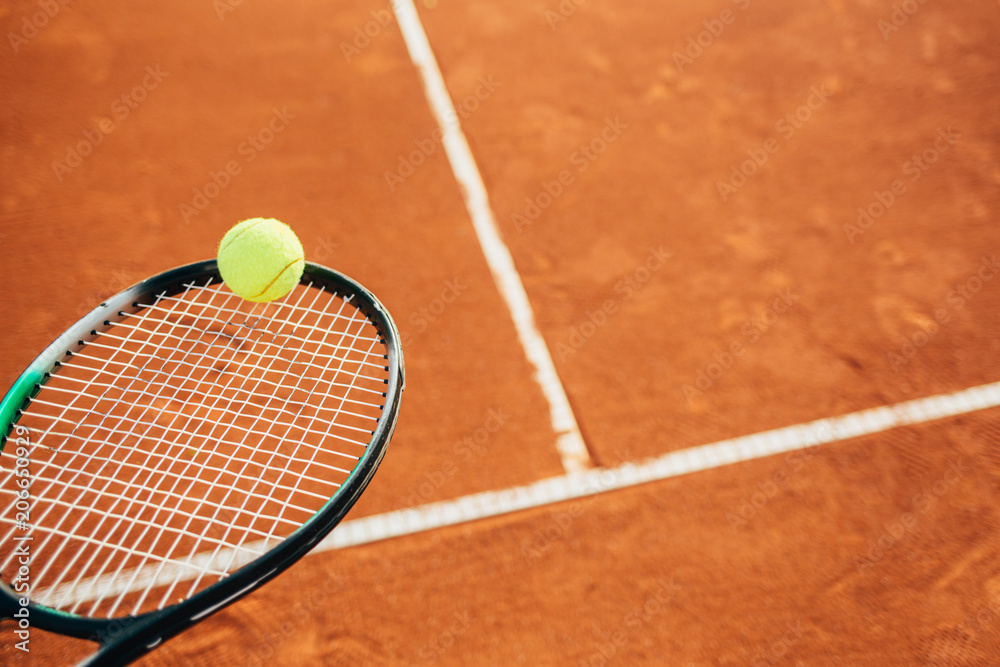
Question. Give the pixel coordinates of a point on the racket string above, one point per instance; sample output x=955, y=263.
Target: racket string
x=165, y=409
x=329, y=425
x=116, y=446
x=213, y=484
x=139, y=602
x=125, y=527
x=354, y=376
x=179, y=431
x=267, y=465
x=247, y=498
x=68, y=466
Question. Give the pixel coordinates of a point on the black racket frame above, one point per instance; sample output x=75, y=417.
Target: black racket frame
x=127, y=638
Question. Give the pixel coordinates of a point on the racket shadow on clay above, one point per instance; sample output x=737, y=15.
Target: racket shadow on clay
x=179, y=447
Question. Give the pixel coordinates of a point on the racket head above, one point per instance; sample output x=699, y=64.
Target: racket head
x=362, y=331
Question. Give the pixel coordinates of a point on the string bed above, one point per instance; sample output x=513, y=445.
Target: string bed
x=185, y=440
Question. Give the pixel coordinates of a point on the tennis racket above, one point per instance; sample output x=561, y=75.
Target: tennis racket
x=178, y=447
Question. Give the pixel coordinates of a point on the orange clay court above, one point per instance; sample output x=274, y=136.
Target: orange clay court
x=745, y=410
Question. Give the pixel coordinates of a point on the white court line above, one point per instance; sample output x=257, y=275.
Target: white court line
x=693, y=459
x=591, y=482
x=569, y=441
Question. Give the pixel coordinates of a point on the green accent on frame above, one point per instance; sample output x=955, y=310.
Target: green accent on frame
x=12, y=402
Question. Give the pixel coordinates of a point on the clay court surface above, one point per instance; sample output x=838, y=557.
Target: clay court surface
x=679, y=185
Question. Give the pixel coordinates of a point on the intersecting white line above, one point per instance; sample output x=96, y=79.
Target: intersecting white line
x=569, y=441
x=595, y=481
x=693, y=459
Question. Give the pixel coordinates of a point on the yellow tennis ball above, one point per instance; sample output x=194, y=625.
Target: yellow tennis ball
x=261, y=259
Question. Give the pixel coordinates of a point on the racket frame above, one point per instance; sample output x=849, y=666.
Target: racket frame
x=124, y=639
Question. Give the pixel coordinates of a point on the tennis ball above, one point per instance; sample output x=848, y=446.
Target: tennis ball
x=261, y=259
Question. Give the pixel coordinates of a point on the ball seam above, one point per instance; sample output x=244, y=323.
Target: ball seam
x=280, y=273
x=241, y=233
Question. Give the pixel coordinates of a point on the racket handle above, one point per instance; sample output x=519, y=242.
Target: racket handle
x=117, y=654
